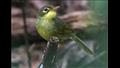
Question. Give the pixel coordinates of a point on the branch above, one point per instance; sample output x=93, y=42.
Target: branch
x=50, y=53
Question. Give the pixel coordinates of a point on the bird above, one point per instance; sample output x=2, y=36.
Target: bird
x=49, y=25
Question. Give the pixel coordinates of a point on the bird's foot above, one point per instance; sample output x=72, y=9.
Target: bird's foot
x=54, y=39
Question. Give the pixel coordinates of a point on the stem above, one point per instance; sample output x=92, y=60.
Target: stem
x=49, y=57
x=26, y=34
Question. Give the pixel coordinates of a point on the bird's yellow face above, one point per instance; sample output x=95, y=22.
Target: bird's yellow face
x=51, y=14
x=48, y=12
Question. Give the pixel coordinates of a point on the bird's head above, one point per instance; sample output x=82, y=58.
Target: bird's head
x=48, y=12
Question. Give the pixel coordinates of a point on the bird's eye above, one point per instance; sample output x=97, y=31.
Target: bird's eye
x=46, y=10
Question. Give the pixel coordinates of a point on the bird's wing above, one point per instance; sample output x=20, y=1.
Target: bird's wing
x=62, y=27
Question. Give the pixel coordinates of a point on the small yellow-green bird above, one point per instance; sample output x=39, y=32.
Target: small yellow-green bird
x=49, y=25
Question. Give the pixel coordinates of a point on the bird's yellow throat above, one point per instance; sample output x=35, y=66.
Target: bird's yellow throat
x=51, y=14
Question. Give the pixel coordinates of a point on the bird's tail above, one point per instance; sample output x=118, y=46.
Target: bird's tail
x=81, y=44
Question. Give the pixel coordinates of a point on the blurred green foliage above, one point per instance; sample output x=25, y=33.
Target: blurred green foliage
x=100, y=7
x=99, y=33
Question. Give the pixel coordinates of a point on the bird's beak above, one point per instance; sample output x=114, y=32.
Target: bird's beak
x=55, y=8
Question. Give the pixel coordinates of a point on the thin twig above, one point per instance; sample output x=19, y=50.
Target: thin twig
x=26, y=34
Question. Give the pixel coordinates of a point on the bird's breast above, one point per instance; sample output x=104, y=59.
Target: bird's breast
x=45, y=29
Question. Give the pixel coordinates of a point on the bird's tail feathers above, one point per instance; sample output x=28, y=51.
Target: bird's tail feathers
x=81, y=44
